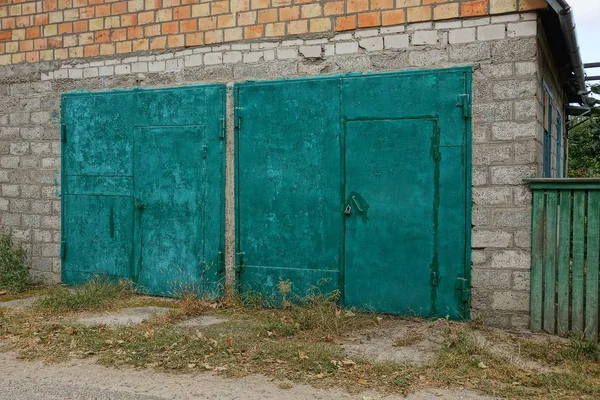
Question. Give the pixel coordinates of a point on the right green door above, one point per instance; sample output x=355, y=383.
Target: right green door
x=358, y=183
x=406, y=192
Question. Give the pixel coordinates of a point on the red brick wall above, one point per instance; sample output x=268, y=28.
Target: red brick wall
x=33, y=31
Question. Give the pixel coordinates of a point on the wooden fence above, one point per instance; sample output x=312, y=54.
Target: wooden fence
x=565, y=256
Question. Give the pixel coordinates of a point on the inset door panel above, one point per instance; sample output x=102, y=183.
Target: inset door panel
x=100, y=134
x=170, y=182
x=391, y=196
x=100, y=236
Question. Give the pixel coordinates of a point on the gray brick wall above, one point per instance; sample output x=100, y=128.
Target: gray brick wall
x=503, y=51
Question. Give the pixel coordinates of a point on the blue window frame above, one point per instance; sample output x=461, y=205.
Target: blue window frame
x=547, y=160
x=559, y=150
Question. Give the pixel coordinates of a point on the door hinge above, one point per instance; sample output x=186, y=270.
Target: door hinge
x=238, y=118
x=240, y=263
x=63, y=250
x=434, y=281
x=462, y=285
x=223, y=127
x=437, y=156
x=63, y=133
x=204, y=151
x=464, y=101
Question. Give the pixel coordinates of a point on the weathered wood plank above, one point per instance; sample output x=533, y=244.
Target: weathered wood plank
x=578, y=258
x=537, y=259
x=593, y=243
x=564, y=262
x=549, y=322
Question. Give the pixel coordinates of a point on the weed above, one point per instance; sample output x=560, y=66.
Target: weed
x=320, y=314
x=280, y=328
x=285, y=385
x=287, y=344
x=581, y=349
x=97, y=294
x=576, y=353
x=409, y=338
x=191, y=303
x=13, y=269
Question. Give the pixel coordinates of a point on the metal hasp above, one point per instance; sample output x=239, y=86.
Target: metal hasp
x=142, y=184
x=311, y=151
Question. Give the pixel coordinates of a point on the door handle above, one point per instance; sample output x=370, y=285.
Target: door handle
x=356, y=203
x=348, y=210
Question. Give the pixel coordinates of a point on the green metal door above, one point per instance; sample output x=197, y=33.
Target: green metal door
x=288, y=188
x=143, y=180
x=407, y=161
x=389, y=191
x=386, y=184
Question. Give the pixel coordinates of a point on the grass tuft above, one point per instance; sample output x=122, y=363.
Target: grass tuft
x=581, y=349
x=13, y=270
x=97, y=294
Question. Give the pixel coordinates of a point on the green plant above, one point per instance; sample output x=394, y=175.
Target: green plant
x=584, y=143
x=13, y=269
x=97, y=294
x=581, y=349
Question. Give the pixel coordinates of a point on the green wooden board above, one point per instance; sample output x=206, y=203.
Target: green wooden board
x=578, y=278
x=550, y=263
x=537, y=260
x=306, y=146
x=564, y=262
x=143, y=179
x=591, y=283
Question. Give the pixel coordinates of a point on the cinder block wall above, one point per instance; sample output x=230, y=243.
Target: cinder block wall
x=502, y=49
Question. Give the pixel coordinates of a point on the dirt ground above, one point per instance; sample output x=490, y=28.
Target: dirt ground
x=84, y=379
x=139, y=347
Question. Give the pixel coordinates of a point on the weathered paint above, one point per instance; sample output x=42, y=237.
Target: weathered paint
x=288, y=185
x=142, y=199
x=393, y=144
x=564, y=280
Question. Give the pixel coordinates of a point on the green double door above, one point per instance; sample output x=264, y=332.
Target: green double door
x=357, y=183
x=142, y=181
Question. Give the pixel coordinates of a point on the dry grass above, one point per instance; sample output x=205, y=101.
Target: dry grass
x=301, y=344
x=411, y=337
x=98, y=294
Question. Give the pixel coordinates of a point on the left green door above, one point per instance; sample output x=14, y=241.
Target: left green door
x=142, y=185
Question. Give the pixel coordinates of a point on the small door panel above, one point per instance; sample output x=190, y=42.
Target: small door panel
x=99, y=230
x=452, y=242
x=390, y=189
x=170, y=182
x=99, y=134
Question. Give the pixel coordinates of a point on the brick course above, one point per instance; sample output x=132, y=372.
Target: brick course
x=33, y=31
